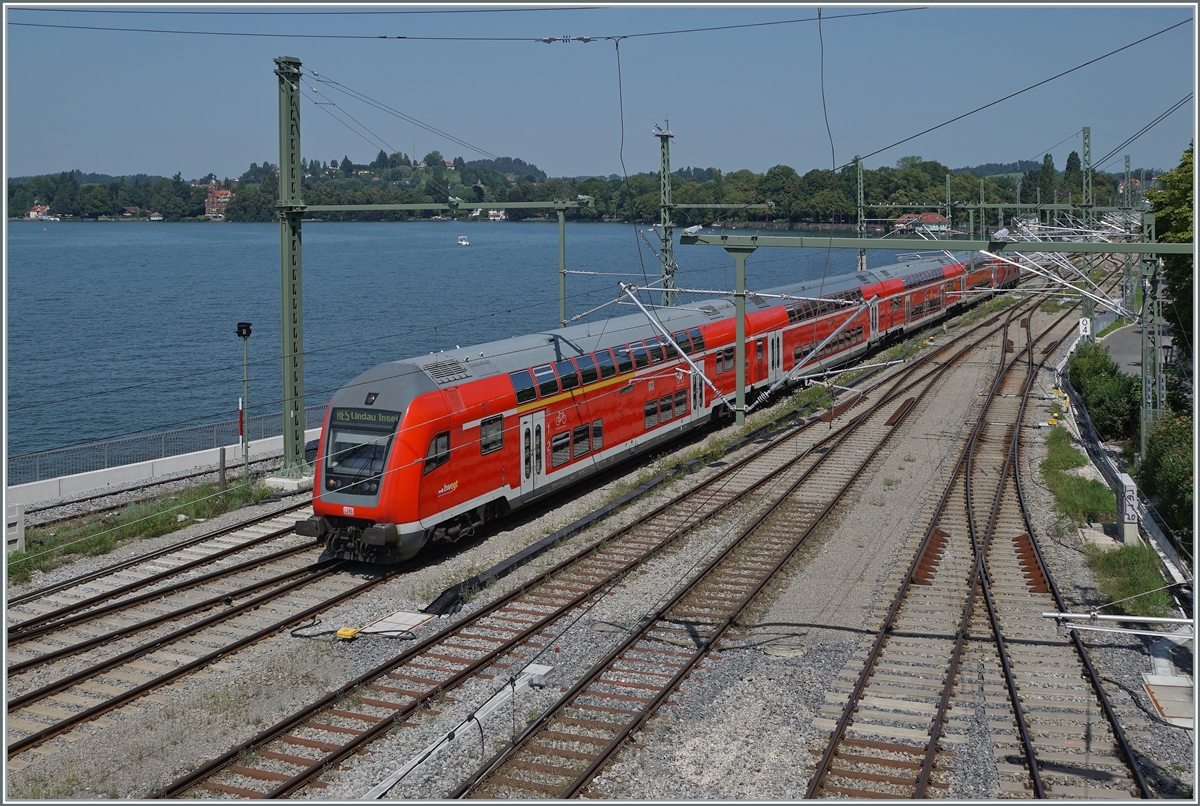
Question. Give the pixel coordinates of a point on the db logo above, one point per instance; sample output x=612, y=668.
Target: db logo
x=651, y=386
x=348, y=511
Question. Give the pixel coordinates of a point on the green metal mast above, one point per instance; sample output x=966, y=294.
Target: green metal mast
x=949, y=219
x=290, y=208
x=1089, y=305
x=1153, y=384
x=862, y=223
x=1127, y=273
x=668, y=232
x=740, y=253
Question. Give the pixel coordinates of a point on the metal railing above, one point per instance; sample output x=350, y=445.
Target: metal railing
x=146, y=447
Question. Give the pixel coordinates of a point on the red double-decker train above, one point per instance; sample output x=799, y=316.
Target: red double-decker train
x=433, y=447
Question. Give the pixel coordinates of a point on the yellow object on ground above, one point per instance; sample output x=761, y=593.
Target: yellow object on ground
x=346, y=633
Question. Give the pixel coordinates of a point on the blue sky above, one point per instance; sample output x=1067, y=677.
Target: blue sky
x=123, y=102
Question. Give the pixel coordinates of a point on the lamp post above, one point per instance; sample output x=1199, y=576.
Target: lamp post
x=243, y=332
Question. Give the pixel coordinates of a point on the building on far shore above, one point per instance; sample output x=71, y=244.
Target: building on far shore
x=217, y=201
x=930, y=222
x=39, y=211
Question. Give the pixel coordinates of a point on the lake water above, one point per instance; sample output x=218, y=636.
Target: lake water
x=129, y=327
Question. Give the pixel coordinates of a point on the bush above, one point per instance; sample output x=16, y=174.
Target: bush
x=1112, y=398
x=1080, y=499
x=1166, y=471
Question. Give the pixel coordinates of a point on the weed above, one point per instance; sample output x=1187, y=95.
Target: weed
x=910, y=459
x=46, y=549
x=890, y=482
x=1130, y=578
x=1077, y=498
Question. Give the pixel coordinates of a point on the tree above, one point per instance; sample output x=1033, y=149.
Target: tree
x=459, y=165
x=1173, y=205
x=96, y=201
x=904, y=163
x=1073, y=174
x=434, y=159
x=380, y=162
x=347, y=166
x=1166, y=471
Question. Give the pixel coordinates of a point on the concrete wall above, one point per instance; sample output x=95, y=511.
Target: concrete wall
x=129, y=475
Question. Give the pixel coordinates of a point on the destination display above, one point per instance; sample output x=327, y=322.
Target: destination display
x=368, y=417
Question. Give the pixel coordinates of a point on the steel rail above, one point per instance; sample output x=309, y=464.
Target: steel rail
x=41, y=736
x=980, y=581
x=270, y=734
x=213, y=767
x=824, y=765
x=648, y=624
x=110, y=569
x=197, y=607
x=186, y=782
x=1081, y=648
x=17, y=637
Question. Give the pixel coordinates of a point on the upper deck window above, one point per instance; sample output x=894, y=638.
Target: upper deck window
x=547, y=381
x=523, y=385
x=640, y=357
x=567, y=374
x=697, y=339
x=587, y=369
x=604, y=361
x=624, y=359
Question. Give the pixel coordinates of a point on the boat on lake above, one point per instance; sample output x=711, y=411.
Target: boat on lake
x=462, y=241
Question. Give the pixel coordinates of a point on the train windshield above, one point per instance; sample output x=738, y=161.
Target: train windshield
x=357, y=448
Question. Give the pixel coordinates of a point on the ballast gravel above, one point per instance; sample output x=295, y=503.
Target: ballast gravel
x=739, y=728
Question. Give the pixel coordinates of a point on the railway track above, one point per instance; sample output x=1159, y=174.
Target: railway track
x=506, y=633
x=978, y=581
x=100, y=509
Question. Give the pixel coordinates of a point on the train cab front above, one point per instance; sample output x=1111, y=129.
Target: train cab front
x=364, y=505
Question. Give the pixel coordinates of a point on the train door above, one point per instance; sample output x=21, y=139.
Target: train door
x=760, y=361
x=533, y=451
x=874, y=320
x=697, y=395
x=908, y=309
x=775, y=362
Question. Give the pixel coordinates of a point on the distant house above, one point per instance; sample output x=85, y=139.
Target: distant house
x=156, y=216
x=449, y=165
x=931, y=222
x=497, y=215
x=217, y=201
x=131, y=211
x=39, y=211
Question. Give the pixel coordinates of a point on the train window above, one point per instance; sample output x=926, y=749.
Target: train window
x=697, y=339
x=720, y=359
x=581, y=441
x=547, y=382
x=670, y=349
x=664, y=408
x=567, y=374
x=491, y=434
x=597, y=435
x=523, y=385
x=560, y=448
x=651, y=411
x=439, y=451
x=624, y=360
x=587, y=369
x=758, y=349
x=681, y=402
x=528, y=453
x=685, y=344
x=604, y=361
x=640, y=357
x=728, y=351
x=656, y=351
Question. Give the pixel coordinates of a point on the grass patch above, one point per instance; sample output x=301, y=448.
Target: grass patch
x=49, y=547
x=1130, y=577
x=1079, y=499
x=1119, y=323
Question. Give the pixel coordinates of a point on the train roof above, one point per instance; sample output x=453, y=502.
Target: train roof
x=450, y=367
